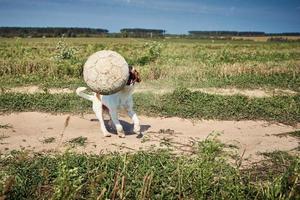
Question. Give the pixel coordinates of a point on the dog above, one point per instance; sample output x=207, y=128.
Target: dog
x=114, y=102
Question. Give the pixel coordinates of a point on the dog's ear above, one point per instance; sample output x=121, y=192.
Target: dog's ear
x=134, y=76
x=137, y=76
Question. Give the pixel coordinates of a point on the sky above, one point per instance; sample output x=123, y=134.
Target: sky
x=174, y=16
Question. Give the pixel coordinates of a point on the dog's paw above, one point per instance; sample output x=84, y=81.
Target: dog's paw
x=136, y=130
x=106, y=135
x=121, y=135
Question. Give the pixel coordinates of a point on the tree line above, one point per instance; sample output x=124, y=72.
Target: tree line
x=125, y=32
x=140, y=32
x=51, y=32
x=238, y=33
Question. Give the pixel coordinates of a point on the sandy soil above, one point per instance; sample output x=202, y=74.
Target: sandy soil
x=258, y=93
x=29, y=129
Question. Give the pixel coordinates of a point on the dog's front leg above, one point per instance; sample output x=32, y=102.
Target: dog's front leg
x=135, y=120
x=114, y=118
x=97, y=108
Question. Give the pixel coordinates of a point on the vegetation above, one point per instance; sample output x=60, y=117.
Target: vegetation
x=143, y=175
x=48, y=140
x=78, y=141
x=5, y=126
x=181, y=102
x=50, y=32
x=125, y=32
x=142, y=33
x=224, y=33
x=172, y=63
x=237, y=33
x=187, y=104
x=165, y=62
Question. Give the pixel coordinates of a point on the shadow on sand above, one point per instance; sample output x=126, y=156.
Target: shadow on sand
x=127, y=127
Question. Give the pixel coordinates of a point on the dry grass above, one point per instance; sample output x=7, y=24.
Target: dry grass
x=201, y=62
x=265, y=38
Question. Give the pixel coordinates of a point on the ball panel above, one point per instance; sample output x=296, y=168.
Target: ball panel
x=106, y=72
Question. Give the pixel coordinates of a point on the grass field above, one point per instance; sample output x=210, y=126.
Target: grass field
x=148, y=175
x=166, y=62
x=212, y=172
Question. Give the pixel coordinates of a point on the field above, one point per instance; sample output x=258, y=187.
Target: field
x=220, y=120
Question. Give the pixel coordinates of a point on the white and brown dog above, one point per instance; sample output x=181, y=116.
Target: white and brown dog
x=112, y=103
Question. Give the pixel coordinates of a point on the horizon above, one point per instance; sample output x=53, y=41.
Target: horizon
x=109, y=32
x=176, y=17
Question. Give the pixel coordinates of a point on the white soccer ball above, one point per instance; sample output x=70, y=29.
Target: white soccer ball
x=106, y=72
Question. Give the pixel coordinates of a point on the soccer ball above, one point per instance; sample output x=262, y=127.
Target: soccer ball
x=106, y=72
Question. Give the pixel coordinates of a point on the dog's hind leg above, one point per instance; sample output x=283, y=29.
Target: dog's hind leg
x=97, y=108
x=114, y=117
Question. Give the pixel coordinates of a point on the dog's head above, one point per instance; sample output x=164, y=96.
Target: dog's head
x=134, y=76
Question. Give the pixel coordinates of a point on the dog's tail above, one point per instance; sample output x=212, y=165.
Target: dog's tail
x=80, y=92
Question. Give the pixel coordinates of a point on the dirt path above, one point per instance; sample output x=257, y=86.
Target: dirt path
x=29, y=129
x=258, y=93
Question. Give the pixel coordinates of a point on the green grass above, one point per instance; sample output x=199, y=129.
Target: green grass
x=187, y=104
x=43, y=82
x=295, y=134
x=250, y=81
x=142, y=175
x=191, y=63
x=181, y=103
x=79, y=141
x=53, y=62
x=45, y=102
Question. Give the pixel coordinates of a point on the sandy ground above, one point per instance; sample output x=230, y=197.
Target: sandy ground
x=29, y=129
x=257, y=93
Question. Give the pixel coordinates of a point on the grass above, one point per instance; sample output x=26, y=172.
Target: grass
x=78, y=141
x=141, y=175
x=17, y=102
x=182, y=103
x=53, y=62
x=292, y=133
x=48, y=140
x=295, y=134
x=187, y=104
x=58, y=62
x=5, y=126
x=43, y=82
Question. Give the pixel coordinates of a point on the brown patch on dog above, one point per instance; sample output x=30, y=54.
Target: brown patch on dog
x=134, y=76
x=137, y=77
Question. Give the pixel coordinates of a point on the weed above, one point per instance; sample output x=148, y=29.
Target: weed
x=187, y=104
x=182, y=102
x=152, y=174
x=78, y=141
x=48, y=140
x=5, y=126
x=295, y=133
x=68, y=182
x=202, y=63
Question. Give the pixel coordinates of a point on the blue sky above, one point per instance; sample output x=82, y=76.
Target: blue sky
x=175, y=16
